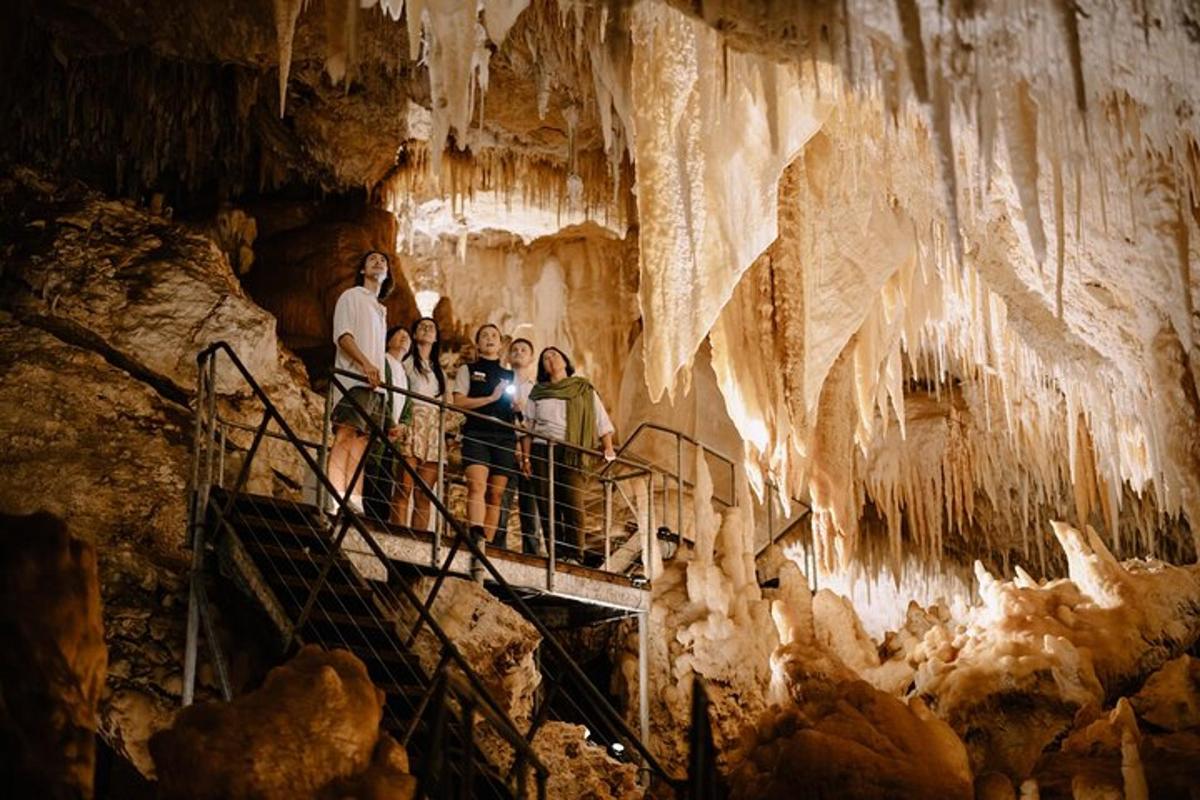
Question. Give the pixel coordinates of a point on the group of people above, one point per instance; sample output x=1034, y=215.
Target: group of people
x=518, y=411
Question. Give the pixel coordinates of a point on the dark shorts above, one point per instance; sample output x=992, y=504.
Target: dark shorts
x=497, y=453
x=347, y=413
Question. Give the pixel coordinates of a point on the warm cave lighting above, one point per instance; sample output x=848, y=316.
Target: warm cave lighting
x=427, y=300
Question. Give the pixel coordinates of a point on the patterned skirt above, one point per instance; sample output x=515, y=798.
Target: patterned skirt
x=423, y=438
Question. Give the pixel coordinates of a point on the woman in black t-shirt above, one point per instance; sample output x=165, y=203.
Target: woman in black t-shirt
x=489, y=449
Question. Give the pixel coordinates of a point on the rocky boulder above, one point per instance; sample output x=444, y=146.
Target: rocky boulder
x=53, y=661
x=314, y=722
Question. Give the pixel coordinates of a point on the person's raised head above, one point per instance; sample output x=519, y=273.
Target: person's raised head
x=520, y=353
x=398, y=341
x=377, y=266
x=488, y=341
x=554, y=365
x=425, y=331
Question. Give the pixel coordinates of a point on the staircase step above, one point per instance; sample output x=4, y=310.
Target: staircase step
x=273, y=559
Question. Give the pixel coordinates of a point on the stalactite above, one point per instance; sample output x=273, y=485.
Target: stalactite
x=286, y=14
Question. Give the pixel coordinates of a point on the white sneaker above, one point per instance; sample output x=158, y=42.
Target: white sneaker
x=356, y=503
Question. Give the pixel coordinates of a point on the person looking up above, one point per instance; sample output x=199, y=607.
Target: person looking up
x=383, y=461
x=359, y=333
x=520, y=359
x=566, y=407
x=424, y=449
x=489, y=441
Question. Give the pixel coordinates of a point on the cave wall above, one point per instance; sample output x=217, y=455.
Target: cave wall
x=574, y=288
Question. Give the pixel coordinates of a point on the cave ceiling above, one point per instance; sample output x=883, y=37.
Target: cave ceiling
x=965, y=233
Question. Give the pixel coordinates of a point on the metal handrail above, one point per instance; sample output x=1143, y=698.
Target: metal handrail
x=507, y=730
x=493, y=421
x=597, y=700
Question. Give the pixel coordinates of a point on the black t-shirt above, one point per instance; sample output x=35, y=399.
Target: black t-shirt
x=483, y=377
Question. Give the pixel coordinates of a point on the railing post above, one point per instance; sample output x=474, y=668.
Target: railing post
x=608, y=490
x=553, y=513
x=211, y=434
x=221, y=457
x=195, y=538
x=678, y=488
x=644, y=688
x=439, y=526
x=323, y=456
x=647, y=562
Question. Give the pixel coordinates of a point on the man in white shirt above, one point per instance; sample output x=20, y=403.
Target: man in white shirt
x=359, y=332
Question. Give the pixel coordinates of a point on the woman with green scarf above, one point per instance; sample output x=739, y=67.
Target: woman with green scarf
x=563, y=406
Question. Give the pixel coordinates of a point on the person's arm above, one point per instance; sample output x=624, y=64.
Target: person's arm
x=604, y=429
x=525, y=440
x=350, y=347
x=462, y=385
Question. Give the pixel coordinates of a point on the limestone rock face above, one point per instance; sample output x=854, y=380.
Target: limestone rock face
x=315, y=720
x=106, y=306
x=1170, y=698
x=143, y=291
x=301, y=269
x=575, y=289
x=53, y=662
x=580, y=769
x=494, y=639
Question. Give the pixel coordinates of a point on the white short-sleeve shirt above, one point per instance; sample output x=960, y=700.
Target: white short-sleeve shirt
x=548, y=417
x=359, y=313
x=423, y=383
x=399, y=379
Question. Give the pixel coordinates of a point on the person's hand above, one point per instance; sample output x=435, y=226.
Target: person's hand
x=524, y=463
x=372, y=374
x=610, y=454
x=499, y=392
x=393, y=433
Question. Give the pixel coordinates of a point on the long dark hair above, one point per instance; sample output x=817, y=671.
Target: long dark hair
x=360, y=277
x=543, y=375
x=435, y=355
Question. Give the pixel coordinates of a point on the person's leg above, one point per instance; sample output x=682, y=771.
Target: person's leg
x=339, y=457
x=573, y=516
x=495, y=492
x=404, y=490
x=501, y=537
x=567, y=521
x=477, y=478
x=358, y=451
x=422, y=505
x=541, y=488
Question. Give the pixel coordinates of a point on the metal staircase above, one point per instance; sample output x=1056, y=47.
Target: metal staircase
x=304, y=567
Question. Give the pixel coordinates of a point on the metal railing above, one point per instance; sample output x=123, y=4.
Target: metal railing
x=601, y=518
x=313, y=605
x=320, y=595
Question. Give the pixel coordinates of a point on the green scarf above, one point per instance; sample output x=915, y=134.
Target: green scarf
x=581, y=411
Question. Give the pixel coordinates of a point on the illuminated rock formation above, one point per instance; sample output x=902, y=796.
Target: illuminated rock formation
x=312, y=727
